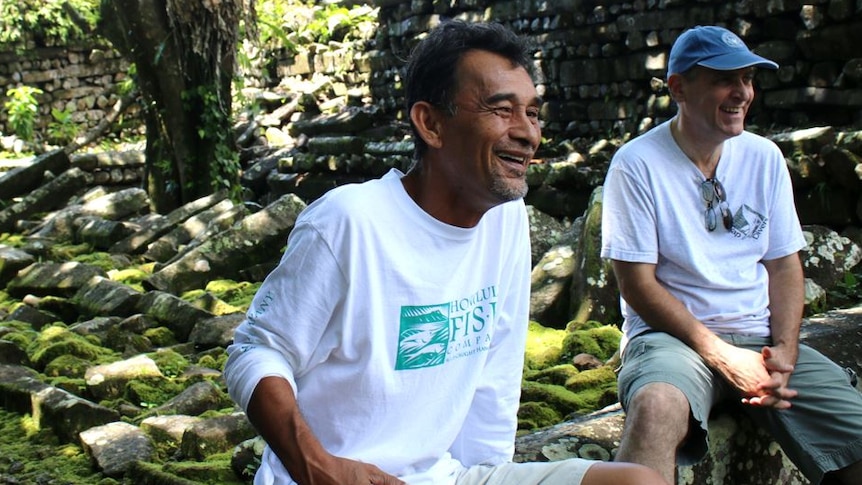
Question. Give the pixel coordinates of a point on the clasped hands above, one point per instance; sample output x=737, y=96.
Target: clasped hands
x=762, y=378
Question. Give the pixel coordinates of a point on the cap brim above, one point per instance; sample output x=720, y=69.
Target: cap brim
x=737, y=60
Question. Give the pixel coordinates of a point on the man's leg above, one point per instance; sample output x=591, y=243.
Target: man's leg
x=657, y=422
x=821, y=432
x=667, y=392
x=847, y=476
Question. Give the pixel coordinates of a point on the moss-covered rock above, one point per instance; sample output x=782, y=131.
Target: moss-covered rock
x=160, y=336
x=132, y=277
x=126, y=342
x=38, y=457
x=169, y=362
x=215, y=469
x=67, y=365
x=55, y=341
x=601, y=341
x=151, y=391
x=558, y=374
x=544, y=346
x=70, y=252
x=559, y=398
x=601, y=377
x=533, y=415
x=20, y=334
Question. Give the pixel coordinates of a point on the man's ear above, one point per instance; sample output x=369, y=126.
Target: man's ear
x=675, y=85
x=428, y=122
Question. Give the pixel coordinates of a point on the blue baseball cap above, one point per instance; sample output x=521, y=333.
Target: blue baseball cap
x=713, y=47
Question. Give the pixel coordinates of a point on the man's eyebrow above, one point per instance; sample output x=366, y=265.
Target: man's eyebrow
x=496, y=98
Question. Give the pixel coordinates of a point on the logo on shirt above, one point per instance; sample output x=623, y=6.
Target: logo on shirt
x=748, y=223
x=430, y=335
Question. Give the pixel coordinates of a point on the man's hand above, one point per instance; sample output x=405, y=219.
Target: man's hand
x=774, y=392
x=343, y=471
x=761, y=378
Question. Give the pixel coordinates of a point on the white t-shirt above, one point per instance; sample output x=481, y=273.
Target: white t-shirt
x=402, y=336
x=654, y=212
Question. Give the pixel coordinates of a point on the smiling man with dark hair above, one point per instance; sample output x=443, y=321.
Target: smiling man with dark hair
x=387, y=347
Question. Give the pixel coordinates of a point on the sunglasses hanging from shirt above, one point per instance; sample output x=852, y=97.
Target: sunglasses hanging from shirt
x=716, y=203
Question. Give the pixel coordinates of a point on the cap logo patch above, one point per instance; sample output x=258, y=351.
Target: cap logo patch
x=731, y=40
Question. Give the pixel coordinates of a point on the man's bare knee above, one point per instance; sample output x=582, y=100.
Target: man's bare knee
x=659, y=406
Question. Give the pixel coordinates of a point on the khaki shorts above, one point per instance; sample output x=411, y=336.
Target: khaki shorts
x=821, y=432
x=564, y=472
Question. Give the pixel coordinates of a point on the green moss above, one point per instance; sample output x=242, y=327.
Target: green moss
x=99, y=259
x=71, y=252
x=216, y=469
x=211, y=303
x=156, y=475
x=600, y=377
x=169, y=362
x=208, y=361
x=558, y=374
x=533, y=415
x=160, y=336
x=14, y=240
x=123, y=341
x=544, y=346
x=601, y=342
x=559, y=398
x=8, y=304
x=213, y=358
x=150, y=392
x=56, y=340
x=67, y=366
x=575, y=325
x=77, y=386
x=132, y=277
x=237, y=294
x=41, y=457
x=21, y=338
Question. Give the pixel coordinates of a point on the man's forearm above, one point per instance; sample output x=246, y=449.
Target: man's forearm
x=786, y=301
x=274, y=412
x=662, y=311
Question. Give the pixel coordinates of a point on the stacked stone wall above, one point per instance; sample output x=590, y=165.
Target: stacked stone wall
x=604, y=62
x=81, y=80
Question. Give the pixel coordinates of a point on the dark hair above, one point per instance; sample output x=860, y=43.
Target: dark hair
x=430, y=72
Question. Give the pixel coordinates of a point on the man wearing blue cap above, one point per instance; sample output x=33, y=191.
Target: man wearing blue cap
x=699, y=222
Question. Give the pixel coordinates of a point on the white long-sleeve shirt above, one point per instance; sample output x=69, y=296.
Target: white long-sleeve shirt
x=402, y=336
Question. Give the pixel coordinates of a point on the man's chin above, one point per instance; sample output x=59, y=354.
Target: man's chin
x=508, y=190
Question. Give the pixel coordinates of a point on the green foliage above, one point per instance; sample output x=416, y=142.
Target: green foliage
x=46, y=22
x=846, y=293
x=22, y=108
x=62, y=129
x=295, y=24
x=215, y=127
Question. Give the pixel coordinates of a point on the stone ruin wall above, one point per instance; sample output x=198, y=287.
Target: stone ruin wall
x=80, y=79
x=603, y=61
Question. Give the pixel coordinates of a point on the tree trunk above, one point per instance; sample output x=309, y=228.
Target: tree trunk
x=184, y=54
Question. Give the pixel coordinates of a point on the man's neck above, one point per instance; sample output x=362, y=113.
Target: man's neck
x=420, y=186
x=703, y=154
